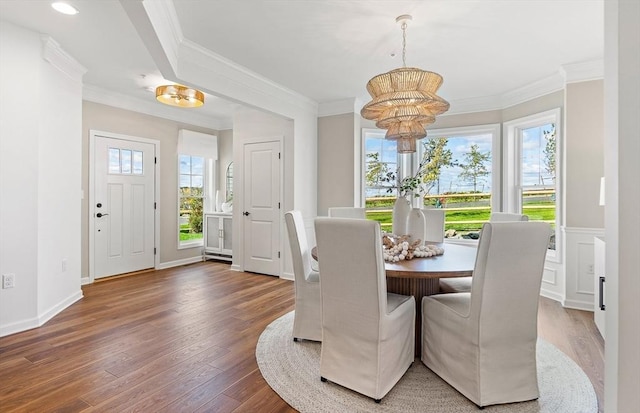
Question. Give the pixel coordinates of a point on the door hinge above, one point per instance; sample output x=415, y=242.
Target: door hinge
x=278, y=254
x=155, y=159
x=154, y=250
x=155, y=205
x=278, y=155
x=278, y=205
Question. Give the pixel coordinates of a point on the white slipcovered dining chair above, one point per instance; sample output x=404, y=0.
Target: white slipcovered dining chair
x=483, y=342
x=368, y=334
x=434, y=218
x=347, y=212
x=507, y=217
x=463, y=284
x=307, y=322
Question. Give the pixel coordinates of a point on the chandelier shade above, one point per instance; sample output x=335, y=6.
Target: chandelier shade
x=405, y=113
x=181, y=96
x=407, y=129
x=404, y=101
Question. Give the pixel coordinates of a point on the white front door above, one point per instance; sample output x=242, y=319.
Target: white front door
x=123, y=206
x=261, y=214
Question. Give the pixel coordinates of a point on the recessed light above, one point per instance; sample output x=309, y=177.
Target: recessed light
x=64, y=8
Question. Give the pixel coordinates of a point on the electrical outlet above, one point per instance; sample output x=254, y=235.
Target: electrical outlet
x=590, y=269
x=8, y=281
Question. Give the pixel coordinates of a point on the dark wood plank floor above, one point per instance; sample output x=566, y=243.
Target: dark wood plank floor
x=183, y=340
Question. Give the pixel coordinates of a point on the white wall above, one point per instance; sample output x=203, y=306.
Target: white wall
x=622, y=220
x=40, y=108
x=584, y=146
x=336, y=161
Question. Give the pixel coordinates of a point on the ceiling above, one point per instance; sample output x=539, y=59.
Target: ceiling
x=328, y=50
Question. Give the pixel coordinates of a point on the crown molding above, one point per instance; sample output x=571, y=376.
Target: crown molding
x=61, y=60
x=583, y=71
x=544, y=86
x=153, y=108
x=339, y=107
x=471, y=105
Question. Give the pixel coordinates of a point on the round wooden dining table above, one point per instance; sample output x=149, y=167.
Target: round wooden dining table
x=419, y=277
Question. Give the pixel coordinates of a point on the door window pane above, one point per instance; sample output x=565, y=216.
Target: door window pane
x=126, y=161
x=137, y=163
x=114, y=160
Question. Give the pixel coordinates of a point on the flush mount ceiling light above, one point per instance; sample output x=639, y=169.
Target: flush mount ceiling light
x=404, y=100
x=181, y=96
x=64, y=8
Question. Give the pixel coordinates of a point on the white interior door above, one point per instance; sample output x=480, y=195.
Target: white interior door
x=122, y=210
x=261, y=214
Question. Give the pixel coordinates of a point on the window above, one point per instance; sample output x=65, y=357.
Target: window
x=191, y=199
x=532, y=154
x=380, y=169
x=125, y=161
x=462, y=176
x=459, y=174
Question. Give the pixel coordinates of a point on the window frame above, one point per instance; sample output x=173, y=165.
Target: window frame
x=363, y=161
x=512, y=177
x=407, y=163
x=206, y=199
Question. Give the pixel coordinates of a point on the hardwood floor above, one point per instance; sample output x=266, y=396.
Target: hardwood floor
x=183, y=340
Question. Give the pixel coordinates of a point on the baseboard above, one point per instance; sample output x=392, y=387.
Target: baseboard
x=177, y=263
x=552, y=296
x=56, y=309
x=19, y=326
x=287, y=276
x=578, y=305
x=39, y=321
x=85, y=281
x=235, y=267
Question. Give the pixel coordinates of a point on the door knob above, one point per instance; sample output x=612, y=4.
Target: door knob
x=245, y=213
x=99, y=205
x=100, y=215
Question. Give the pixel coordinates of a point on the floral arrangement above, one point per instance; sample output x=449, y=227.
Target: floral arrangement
x=399, y=248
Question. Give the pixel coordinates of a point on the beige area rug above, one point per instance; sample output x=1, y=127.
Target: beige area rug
x=292, y=369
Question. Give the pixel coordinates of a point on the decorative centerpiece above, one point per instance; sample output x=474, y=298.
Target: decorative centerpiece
x=400, y=248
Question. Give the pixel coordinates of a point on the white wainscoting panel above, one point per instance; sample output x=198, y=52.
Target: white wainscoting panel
x=579, y=273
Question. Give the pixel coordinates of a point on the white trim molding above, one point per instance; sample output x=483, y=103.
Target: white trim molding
x=583, y=71
x=42, y=318
x=61, y=60
x=579, y=260
x=178, y=263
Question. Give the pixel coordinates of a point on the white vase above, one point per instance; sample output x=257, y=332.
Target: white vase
x=401, y=209
x=416, y=225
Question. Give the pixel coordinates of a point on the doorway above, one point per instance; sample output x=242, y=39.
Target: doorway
x=261, y=220
x=122, y=214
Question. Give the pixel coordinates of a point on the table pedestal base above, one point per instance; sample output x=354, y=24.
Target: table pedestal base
x=418, y=288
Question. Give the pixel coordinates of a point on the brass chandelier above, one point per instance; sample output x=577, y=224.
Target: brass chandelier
x=404, y=100
x=181, y=96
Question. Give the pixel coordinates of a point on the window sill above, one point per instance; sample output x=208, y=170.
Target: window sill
x=187, y=245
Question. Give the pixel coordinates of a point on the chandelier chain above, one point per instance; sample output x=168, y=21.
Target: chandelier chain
x=404, y=43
